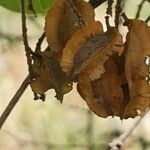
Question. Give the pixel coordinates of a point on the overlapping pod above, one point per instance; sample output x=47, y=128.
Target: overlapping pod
x=80, y=37
x=137, y=47
x=103, y=96
x=48, y=75
x=61, y=22
x=90, y=59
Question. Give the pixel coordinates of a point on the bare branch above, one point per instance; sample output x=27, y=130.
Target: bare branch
x=119, y=142
x=107, y=22
x=31, y=8
x=39, y=43
x=14, y=101
x=96, y=3
x=148, y=19
x=25, y=39
x=126, y=19
x=117, y=13
x=109, y=8
x=139, y=9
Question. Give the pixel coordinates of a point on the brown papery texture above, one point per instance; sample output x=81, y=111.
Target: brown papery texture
x=48, y=75
x=137, y=47
x=61, y=22
x=77, y=40
x=104, y=96
x=90, y=59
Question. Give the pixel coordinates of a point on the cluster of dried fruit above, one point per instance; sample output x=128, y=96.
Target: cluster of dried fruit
x=110, y=75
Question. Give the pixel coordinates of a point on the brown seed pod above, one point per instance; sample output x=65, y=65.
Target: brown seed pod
x=86, y=92
x=77, y=40
x=104, y=96
x=49, y=76
x=90, y=59
x=138, y=47
x=61, y=22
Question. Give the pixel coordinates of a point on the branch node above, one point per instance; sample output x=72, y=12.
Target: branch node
x=126, y=19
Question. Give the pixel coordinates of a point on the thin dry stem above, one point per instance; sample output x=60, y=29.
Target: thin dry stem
x=96, y=3
x=31, y=8
x=109, y=8
x=117, y=13
x=140, y=8
x=81, y=22
x=14, y=101
x=119, y=142
x=39, y=43
x=25, y=39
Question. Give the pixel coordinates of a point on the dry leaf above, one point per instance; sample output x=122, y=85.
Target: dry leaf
x=92, y=55
x=49, y=76
x=61, y=22
x=104, y=96
x=75, y=43
x=138, y=47
x=86, y=92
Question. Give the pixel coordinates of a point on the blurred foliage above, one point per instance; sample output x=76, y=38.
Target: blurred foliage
x=40, y=6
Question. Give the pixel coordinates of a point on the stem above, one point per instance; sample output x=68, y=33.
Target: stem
x=119, y=142
x=139, y=9
x=39, y=43
x=14, y=101
x=117, y=13
x=76, y=12
x=96, y=3
x=25, y=39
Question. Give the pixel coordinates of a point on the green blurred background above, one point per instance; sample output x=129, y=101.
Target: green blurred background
x=49, y=125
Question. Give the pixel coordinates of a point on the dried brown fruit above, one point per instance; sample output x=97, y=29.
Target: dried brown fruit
x=61, y=22
x=104, y=96
x=80, y=37
x=138, y=47
x=92, y=55
x=49, y=76
x=86, y=92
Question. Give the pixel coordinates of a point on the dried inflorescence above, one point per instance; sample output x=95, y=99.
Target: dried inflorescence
x=110, y=75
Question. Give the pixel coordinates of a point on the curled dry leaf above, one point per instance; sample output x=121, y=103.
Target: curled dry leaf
x=61, y=22
x=138, y=47
x=90, y=59
x=86, y=92
x=49, y=76
x=80, y=37
x=120, y=64
x=104, y=96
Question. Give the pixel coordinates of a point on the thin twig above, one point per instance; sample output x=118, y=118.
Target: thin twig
x=31, y=8
x=119, y=142
x=126, y=19
x=39, y=43
x=25, y=39
x=148, y=19
x=139, y=9
x=117, y=13
x=71, y=4
x=14, y=101
x=96, y=3
x=25, y=83
x=109, y=8
x=107, y=22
